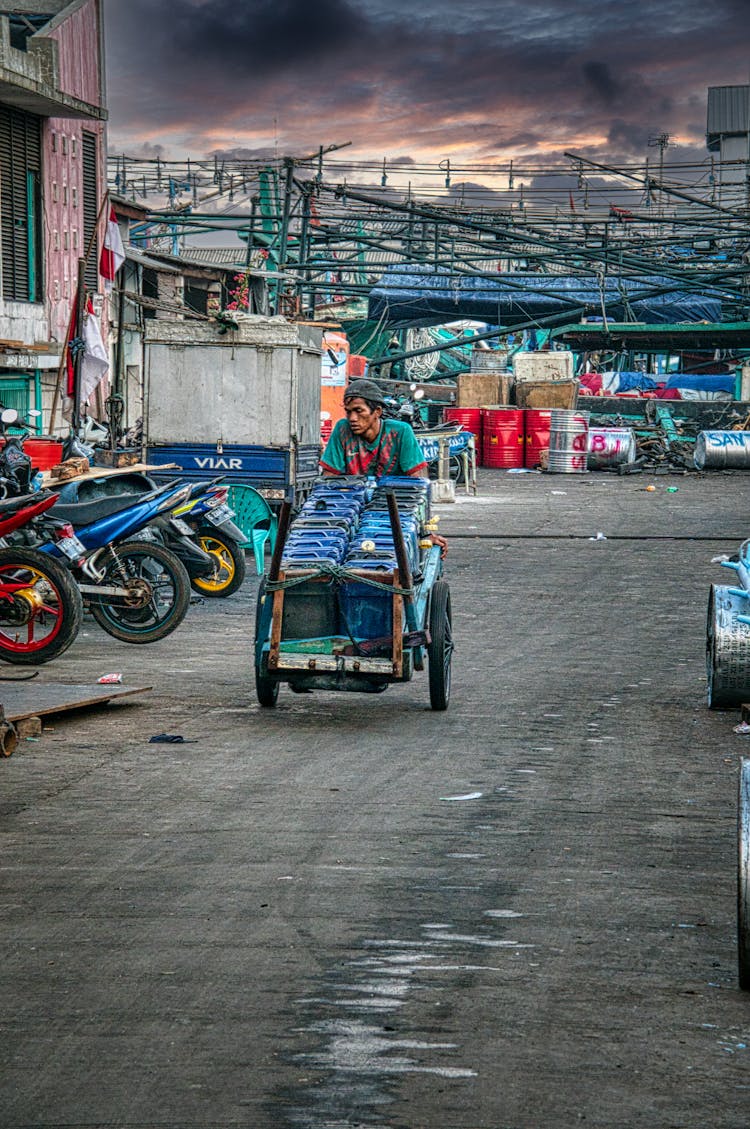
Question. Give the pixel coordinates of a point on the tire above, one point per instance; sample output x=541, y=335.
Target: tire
x=230, y=559
x=440, y=648
x=52, y=627
x=266, y=689
x=162, y=576
x=743, y=876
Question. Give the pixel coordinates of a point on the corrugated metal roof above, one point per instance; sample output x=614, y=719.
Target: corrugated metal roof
x=728, y=109
x=226, y=257
x=135, y=255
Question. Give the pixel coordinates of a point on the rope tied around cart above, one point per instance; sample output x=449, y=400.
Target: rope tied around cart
x=338, y=574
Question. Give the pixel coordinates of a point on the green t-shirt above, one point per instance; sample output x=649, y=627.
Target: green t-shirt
x=394, y=450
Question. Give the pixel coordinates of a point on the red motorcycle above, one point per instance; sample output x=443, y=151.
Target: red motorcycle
x=40, y=604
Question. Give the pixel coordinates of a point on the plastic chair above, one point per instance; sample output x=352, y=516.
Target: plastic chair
x=256, y=519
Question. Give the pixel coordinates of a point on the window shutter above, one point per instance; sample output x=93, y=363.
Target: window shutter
x=20, y=175
x=90, y=207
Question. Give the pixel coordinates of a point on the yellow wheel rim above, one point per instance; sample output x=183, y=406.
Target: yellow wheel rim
x=224, y=562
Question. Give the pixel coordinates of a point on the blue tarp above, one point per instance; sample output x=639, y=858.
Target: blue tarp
x=413, y=295
x=710, y=382
x=629, y=381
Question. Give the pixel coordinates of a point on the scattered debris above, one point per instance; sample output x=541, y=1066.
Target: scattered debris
x=468, y=796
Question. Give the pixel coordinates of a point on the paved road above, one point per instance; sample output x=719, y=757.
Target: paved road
x=352, y=912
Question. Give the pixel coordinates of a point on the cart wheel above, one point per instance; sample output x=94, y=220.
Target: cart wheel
x=440, y=649
x=743, y=876
x=266, y=689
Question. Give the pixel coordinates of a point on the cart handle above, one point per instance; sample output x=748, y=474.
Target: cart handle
x=401, y=558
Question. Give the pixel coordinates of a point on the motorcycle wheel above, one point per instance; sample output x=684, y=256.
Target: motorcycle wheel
x=164, y=586
x=40, y=607
x=230, y=564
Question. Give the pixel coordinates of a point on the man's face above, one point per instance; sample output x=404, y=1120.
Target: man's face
x=364, y=421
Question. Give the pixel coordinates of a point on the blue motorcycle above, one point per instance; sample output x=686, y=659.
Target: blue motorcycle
x=200, y=531
x=136, y=590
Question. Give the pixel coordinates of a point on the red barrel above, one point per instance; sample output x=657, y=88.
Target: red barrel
x=537, y=435
x=502, y=437
x=44, y=453
x=470, y=420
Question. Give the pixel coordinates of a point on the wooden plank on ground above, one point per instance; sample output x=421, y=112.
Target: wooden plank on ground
x=37, y=699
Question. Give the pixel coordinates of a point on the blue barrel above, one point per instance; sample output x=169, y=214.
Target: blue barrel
x=366, y=612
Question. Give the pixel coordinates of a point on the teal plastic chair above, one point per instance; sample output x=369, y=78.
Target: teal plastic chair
x=256, y=519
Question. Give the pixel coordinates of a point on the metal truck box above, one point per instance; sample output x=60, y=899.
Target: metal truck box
x=276, y=472
x=254, y=386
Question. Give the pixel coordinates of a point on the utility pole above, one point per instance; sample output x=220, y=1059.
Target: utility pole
x=78, y=360
x=284, y=237
x=662, y=141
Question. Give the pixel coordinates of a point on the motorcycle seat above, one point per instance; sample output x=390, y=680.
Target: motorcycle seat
x=85, y=513
x=10, y=505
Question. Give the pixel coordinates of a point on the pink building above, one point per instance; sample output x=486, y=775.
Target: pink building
x=52, y=185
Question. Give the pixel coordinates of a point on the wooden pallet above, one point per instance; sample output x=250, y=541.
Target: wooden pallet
x=37, y=699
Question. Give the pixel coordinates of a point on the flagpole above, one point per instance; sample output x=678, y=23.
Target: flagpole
x=72, y=326
x=78, y=360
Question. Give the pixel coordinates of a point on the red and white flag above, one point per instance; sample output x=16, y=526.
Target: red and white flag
x=113, y=252
x=94, y=359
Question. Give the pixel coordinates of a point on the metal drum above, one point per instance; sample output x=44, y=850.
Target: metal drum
x=502, y=437
x=743, y=875
x=727, y=648
x=568, y=441
x=728, y=450
x=470, y=420
x=536, y=435
x=610, y=447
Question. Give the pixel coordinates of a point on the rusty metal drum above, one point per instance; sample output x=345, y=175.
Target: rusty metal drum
x=727, y=648
x=610, y=447
x=743, y=875
x=722, y=450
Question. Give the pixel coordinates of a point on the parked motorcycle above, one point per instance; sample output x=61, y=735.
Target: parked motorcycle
x=406, y=408
x=17, y=475
x=40, y=605
x=136, y=590
x=209, y=518
x=214, y=559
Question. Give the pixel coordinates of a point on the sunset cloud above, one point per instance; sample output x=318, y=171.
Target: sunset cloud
x=482, y=81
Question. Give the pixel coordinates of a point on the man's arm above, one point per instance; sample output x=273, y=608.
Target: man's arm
x=332, y=459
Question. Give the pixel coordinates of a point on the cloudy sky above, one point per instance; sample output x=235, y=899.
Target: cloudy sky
x=481, y=81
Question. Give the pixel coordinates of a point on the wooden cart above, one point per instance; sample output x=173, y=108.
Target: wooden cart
x=295, y=605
